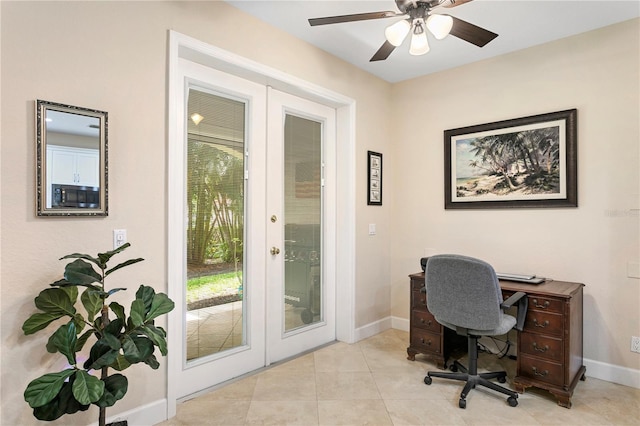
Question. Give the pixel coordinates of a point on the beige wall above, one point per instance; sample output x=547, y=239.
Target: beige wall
x=112, y=56
x=597, y=73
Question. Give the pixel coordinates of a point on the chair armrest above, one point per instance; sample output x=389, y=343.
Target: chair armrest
x=522, y=305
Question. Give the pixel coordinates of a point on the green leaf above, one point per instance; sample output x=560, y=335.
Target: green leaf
x=79, y=321
x=80, y=272
x=152, y=362
x=157, y=336
x=82, y=340
x=101, y=355
x=105, y=257
x=123, y=264
x=66, y=284
x=39, y=321
x=86, y=388
x=115, y=290
x=114, y=327
x=118, y=309
x=43, y=389
x=161, y=305
x=137, y=312
x=55, y=300
x=111, y=341
x=115, y=388
x=137, y=349
x=85, y=257
x=146, y=293
x=92, y=302
x=72, y=292
x=55, y=408
x=120, y=363
x=63, y=403
x=64, y=340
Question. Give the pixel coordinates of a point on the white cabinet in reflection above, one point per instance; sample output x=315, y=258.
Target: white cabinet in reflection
x=73, y=166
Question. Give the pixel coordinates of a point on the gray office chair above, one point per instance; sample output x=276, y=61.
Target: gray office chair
x=464, y=295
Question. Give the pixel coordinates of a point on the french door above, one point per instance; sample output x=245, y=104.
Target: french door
x=251, y=219
x=301, y=287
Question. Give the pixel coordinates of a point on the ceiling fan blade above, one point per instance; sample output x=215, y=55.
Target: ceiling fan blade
x=454, y=3
x=471, y=33
x=383, y=53
x=351, y=18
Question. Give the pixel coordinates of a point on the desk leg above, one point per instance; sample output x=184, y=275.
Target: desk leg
x=411, y=354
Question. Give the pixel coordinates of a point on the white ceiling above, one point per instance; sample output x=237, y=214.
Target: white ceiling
x=518, y=23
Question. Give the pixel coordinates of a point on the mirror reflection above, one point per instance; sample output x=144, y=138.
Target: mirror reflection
x=71, y=160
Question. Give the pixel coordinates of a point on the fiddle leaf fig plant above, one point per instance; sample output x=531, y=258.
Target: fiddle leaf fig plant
x=118, y=341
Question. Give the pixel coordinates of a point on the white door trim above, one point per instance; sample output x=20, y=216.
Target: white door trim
x=185, y=47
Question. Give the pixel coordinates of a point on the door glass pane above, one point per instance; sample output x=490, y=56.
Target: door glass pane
x=215, y=223
x=303, y=221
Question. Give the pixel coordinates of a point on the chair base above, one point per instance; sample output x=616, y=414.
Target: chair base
x=472, y=378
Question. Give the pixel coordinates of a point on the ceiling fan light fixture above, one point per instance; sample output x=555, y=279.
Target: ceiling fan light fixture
x=397, y=32
x=440, y=25
x=419, y=43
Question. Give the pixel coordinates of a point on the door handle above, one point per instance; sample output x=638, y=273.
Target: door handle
x=275, y=250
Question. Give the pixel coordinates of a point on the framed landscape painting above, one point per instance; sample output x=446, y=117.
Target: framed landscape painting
x=523, y=162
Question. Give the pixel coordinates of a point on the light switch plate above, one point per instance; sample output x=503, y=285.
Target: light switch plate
x=119, y=237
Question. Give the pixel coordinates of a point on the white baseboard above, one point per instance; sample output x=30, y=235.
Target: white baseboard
x=372, y=329
x=400, y=324
x=145, y=415
x=613, y=373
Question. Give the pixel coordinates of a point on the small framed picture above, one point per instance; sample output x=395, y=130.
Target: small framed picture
x=374, y=178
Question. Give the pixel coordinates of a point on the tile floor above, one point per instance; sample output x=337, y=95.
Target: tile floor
x=372, y=383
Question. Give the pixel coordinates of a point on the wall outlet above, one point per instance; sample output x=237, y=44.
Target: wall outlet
x=119, y=237
x=635, y=344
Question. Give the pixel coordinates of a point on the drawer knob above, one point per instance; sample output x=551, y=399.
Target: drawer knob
x=545, y=305
x=540, y=349
x=544, y=324
x=428, y=342
x=427, y=322
x=540, y=373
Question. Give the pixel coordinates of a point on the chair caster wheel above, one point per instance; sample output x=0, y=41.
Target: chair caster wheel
x=502, y=379
x=462, y=403
x=512, y=401
x=427, y=380
x=453, y=368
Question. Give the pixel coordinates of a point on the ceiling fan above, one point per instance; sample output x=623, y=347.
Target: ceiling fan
x=419, y=15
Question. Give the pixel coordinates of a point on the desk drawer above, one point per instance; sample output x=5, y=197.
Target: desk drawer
x=418, y=300
x=424, y=320
x=425, y=341
x=544, y=322
x=542, y=346
x=541, y=370
x=546, y=304
x=417, y=284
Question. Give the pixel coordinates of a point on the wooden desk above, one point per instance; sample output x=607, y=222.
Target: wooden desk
x=549, y=349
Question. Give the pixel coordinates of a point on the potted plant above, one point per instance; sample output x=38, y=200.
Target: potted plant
x=118, y=341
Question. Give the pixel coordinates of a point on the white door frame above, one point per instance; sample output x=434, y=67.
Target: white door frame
x=185, y=47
